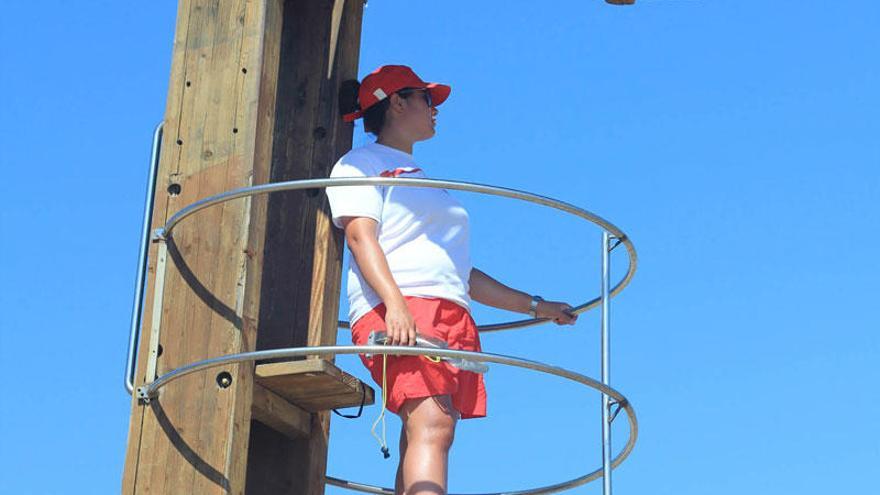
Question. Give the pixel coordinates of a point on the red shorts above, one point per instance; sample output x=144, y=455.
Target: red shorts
x=413, y=377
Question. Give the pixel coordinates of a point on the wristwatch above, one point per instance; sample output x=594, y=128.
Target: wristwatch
x=533, y=306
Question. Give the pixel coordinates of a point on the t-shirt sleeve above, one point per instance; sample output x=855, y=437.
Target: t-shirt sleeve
x=355, y=201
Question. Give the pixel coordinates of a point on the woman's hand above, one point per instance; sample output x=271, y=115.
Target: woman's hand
x=399, y=324
x=559, y=312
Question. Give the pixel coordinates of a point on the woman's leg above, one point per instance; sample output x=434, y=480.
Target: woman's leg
x=398, y=482
x=429, y=426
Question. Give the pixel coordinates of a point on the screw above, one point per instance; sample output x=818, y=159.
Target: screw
x=224, y=379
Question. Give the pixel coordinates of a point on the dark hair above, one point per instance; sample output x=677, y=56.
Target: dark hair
x=374, y=117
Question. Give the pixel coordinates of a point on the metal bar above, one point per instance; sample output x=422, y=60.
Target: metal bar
x=606, y=406
x=432, y=183
x=396, y=181
x=153, y=388
x=155, y=325
x=139, y=285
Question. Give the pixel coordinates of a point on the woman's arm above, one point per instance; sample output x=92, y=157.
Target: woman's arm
x=485, y=289
x=360, y=232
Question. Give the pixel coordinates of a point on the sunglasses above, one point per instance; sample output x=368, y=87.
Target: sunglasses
x=406, y=92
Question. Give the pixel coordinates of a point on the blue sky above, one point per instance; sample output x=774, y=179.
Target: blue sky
x=735, y=142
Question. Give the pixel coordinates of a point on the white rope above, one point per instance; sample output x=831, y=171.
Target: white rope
x=382, y=441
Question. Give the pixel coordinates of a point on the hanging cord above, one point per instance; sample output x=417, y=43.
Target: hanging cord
x=383, y=444
x=360, y=408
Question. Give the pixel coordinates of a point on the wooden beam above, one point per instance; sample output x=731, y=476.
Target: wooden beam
x=303, y=251
x=194, y=438
x=248, y=103
x=275, y=411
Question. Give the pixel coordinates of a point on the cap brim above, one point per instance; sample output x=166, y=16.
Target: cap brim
x=439, y=92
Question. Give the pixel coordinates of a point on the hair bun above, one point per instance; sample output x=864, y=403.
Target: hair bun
x=348, y=96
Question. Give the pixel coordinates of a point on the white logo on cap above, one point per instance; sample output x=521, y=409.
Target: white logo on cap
x=379, y=94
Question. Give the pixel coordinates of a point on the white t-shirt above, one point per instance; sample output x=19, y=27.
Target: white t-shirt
x=423, y=232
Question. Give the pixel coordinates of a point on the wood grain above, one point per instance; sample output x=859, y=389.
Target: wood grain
x=300, y=293
x=314, y=385
x=248, y=103
x=273, y=410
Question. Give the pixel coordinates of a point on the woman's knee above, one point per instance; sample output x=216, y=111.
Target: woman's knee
x=430, y=421
x=438, y=432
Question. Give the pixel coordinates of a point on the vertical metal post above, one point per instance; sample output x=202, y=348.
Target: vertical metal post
x=137, y=306
x=606, y=406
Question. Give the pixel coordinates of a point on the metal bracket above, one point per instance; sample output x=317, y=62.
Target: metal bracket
x=335, y=22
x=618, y=242
x=158, y=301
x=158, y=235
x=142, y=395
x=616, y=411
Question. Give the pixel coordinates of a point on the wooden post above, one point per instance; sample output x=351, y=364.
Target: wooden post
x=249, y=102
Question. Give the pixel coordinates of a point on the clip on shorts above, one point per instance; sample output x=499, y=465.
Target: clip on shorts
x=416, y=377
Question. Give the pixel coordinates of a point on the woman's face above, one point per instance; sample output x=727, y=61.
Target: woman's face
x=416, y=118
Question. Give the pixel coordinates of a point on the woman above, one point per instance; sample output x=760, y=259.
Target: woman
x=410, y=272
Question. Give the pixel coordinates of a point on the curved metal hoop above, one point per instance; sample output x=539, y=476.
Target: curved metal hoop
x=153, y=389
x=622, y=238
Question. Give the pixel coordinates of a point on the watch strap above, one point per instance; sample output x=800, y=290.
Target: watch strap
x=533, y=306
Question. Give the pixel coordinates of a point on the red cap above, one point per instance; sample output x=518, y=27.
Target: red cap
x=389, y=79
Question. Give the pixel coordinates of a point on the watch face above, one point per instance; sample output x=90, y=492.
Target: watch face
x=533, y=306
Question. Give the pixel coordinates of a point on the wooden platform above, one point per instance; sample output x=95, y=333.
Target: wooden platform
x=314, y=384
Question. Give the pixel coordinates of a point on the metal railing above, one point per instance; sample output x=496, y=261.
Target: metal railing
x=139, y=285
x=618, y=399
x=612, y=237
